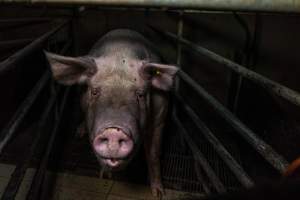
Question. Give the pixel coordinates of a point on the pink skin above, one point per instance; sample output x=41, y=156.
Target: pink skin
x=126, y=85
x=114, y=146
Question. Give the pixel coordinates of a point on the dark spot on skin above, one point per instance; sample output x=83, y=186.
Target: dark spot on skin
x=123, y=61
x=135, y=79
x=95, y=91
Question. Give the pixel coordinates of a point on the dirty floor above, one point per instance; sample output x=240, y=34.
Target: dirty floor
x=70, y=186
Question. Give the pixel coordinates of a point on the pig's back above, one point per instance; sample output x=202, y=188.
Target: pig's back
x=127, y=42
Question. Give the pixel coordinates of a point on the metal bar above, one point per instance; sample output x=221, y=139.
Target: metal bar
x=9, y=63
x=236, y=80
x=201, y=178
x=23, y=20
x=233, y=165
x=20, y=170
x=179, y=46
x=198, y=156
x=14, y=43
x=280, y=90
x=7, y=24
x=276, y=160
x=23, y=109
x=242, y=5
x=40, y=174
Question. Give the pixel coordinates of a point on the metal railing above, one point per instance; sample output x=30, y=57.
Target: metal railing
x=9, y=63
x=265, y=150
x=241, y=5
x=9, y=131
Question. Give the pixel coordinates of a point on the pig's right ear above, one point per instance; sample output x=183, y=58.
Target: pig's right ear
x=71, y=70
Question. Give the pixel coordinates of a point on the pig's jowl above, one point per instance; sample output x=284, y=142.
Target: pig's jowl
x=126, y=98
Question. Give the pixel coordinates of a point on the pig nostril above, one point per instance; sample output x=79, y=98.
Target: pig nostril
x=121, y=142
x=103, y=140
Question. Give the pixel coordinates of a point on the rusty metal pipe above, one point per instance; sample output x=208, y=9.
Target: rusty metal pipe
x=198, y=156
x=232, y=164
x=241, y=5
x=9, y=63
x=278, y=89
x=267, y=152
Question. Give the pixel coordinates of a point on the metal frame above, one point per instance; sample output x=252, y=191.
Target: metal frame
x=233, y=165
x=266, y=151
x=198, y=156
x=278, y=89
x=10, y=62
x=8, y=132
x=241, y=5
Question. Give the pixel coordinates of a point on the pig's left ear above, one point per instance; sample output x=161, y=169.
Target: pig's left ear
x=160, y=76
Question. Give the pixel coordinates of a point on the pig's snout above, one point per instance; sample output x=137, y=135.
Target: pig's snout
x=113, y=145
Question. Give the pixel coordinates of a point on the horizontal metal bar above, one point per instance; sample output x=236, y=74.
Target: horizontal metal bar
x=13, y=43
x=20, y=170
x=23, y=109
x=8, y=24
x=242, y=5
x=23, y=20
x=233, y=165
x=9, y=63
x=198, y=156
x=276, y=160
x=282, y=91
x=40, y=173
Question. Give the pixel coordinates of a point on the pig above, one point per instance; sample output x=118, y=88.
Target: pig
x=125, y=100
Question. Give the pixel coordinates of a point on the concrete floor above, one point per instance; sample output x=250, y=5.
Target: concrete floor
x=69, y=187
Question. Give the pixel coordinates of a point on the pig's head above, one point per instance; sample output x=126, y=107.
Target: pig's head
x=116, y=101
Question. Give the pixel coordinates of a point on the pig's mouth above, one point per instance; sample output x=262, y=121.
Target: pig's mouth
x=113, y=163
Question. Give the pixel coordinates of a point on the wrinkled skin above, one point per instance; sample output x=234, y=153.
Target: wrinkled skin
x=125, y=101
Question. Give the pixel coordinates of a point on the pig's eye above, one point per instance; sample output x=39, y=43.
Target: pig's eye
x=95, y=91
x=140, y=94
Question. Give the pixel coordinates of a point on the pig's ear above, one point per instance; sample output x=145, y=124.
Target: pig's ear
x=160, y=76
x=71, y=70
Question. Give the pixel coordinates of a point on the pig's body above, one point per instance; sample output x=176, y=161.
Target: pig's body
x=129, y=46
x=126, y=99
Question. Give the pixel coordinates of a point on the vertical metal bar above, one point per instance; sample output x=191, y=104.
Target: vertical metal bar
x=40, y=174
x=236, y=79
x=233, y=165
x=198, y=156
x=276, y=160
x=179, y=46
x=23, y=109
x=20, y=170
